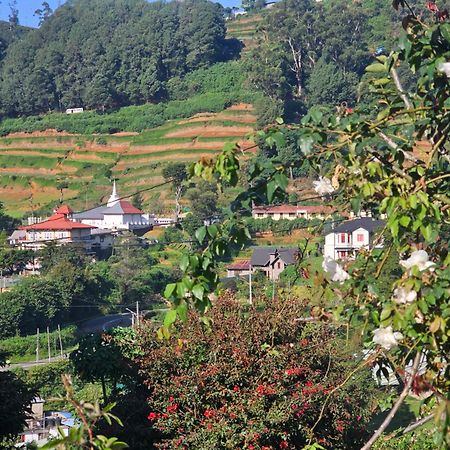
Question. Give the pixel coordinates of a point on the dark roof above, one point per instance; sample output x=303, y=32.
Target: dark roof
x=94, y=213
x=121, y=207
x=261, y=255
x=367, y=223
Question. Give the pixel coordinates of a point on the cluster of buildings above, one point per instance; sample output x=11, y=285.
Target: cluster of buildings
x=94, y=228
x=342, y=242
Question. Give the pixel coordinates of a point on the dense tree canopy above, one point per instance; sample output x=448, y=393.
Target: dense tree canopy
x=315, y=52
x=100, y=54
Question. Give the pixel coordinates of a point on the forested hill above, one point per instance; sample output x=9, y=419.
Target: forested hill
x=9, y=34
x=109, y=53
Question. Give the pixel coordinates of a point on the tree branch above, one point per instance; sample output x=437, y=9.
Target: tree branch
x=394, y=146
x=397, y=405
x=399, y=87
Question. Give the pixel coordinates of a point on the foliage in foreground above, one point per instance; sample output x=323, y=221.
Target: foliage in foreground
x=393, y=159
x=257, y=378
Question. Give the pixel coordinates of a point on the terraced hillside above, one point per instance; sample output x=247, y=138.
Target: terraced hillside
x=35, y=167
x=244, y=28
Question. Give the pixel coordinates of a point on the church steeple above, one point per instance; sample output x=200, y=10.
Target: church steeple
x=114, y=198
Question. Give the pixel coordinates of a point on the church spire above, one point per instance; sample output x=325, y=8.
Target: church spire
x=114, y=198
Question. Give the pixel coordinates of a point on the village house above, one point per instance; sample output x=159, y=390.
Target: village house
x=62, y=229
x=116, y=215
x=348, y=238
x=292, y=212
x=270, y=260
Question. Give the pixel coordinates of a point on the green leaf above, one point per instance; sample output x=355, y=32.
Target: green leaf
x=184, y=263
x=212, y=231
x=270, y=189
x=170, y=318
x=182, y=310
x=200, y=234
x=376, y=68
x=169, y=290
x=198, y=291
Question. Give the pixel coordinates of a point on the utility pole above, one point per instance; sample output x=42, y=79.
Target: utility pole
x=37, y=345
x=48, y=344
x=250, y=292
x=60, y=340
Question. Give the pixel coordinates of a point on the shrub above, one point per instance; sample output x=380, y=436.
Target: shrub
x=26, y=345
x=256, y=379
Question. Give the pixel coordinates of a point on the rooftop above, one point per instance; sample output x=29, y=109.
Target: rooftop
x=368, y=223
x=261, y=255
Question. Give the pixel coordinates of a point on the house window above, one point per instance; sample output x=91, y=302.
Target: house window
x=343, y=238
x=360, y=237
x=291, y=214
x=279, y=265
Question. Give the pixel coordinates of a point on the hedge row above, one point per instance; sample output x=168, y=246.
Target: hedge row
x=131, y=118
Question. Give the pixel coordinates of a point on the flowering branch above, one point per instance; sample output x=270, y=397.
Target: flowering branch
x=397, y=405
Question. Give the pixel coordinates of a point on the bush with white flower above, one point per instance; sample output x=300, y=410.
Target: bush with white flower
x=391, y=158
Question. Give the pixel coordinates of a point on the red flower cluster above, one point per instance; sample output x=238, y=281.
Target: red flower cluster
x=209, y=413
x=263, y=389
x=236, y=389
x=155, y=416
x=284, y=444
x=431, y=6
x=172, y=408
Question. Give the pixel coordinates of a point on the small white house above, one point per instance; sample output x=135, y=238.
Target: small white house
x=351, y=236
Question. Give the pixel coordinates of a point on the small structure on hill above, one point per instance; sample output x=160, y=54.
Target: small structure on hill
x=118, y=214
x=348, y=238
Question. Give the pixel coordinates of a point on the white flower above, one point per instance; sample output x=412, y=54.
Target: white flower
x=418, y=258
x=336, y=272
x=386, y=338
x=402, y=296
x=323, y=186
x=444, y=68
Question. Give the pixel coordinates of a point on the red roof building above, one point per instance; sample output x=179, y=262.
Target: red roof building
x=58, y=228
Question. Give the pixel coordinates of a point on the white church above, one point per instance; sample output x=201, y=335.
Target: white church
x=118, y=214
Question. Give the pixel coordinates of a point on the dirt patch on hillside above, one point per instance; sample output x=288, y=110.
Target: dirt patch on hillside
x=79, y=155
x=212, y=145
x=49, y=132
x=33, y=153
x=126, y=133
x=131, y=164
x=241, y=107
x=110, y=148
x=242, y=118
x=211, y=131
x=39, y=145
x=37, y=170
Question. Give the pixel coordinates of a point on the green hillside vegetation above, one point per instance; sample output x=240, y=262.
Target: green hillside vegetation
x=314, y=53
x=36, y=164
x=8, y=34
x=107, y=53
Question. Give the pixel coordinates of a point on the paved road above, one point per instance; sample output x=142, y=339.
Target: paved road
x=93, y=325
x=104, y=323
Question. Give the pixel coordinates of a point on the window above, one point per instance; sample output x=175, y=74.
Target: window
x=360, y=237
x=343, y=238
x=279, y=265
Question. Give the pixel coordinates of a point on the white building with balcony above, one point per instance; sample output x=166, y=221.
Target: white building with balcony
x=347, y=239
